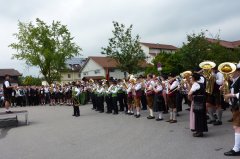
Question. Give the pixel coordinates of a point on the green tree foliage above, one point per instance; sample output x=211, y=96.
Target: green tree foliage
x=125, y=49
x=45, y=46
x=31, y=81
x=194, y=51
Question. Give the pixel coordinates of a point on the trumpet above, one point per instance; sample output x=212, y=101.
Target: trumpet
x=182, y=78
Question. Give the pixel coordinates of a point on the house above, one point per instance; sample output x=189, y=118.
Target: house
x=152, y=49
x=14, y=76
x=226, y=44
x=73, y=68
x=97, y=67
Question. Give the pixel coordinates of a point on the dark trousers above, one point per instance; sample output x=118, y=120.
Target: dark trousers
x=125, y=102
x=114, y=104
x=76, y=111
x=108, y=100
x=179, y=99
x=100, y=103
x=19, y=101
x=144, y=101
x=120, y=97
x=93, y=96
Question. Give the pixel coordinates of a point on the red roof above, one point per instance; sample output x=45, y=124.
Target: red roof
x=160, y=46
x=107, y=62
x=11, y=72
x=226, y=44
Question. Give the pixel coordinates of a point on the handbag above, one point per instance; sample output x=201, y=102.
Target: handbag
x=198, y=103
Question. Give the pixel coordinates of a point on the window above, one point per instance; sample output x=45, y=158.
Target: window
x=69, y=75
x=111, y=70
x=97, y=71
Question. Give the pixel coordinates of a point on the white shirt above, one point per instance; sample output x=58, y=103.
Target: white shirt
x=100, y=90
x=174, y=85
x=219, y=78
x=7, y=83
x=202, y=80
x=195, y=87
x=138, y=86
x=77, y=90
x=159, y=88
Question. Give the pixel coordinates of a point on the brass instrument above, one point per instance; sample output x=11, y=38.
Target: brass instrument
x=226, y=68
x=91, y=80
x=182, y=78
x=207, y=73
x=125, y=84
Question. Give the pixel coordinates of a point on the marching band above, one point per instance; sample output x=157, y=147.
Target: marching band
x=208, y=91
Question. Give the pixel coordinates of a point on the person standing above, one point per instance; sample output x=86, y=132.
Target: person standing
x=171, y=98
x=198, y=120
x=235, y=98
x=137, y=93
x=7, y=92
x=75, y=100
x=114, y=90
x=158, y=103
x=149, y=95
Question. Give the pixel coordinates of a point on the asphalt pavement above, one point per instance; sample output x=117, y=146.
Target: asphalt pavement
x=53, y=133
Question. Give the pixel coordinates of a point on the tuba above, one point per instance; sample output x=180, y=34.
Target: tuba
x=207, y=73
x=226, y=68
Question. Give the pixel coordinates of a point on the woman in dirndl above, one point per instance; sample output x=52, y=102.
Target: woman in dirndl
x=198, y=120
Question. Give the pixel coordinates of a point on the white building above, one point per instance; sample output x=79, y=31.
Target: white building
x=152, y=49
x=97, y=67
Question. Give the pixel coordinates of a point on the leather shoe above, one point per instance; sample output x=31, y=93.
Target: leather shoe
x=158, y=119
x=173, y=121
x=217, y=123
x=211, y=121
x=197, y=134
x=232, y=153
x=138, y=116
x=151, y=117
x=230, y=120
x=169, y=120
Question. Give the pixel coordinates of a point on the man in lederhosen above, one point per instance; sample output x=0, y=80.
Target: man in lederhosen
x=149, y=95
x=7, y=92
x=235, y=98
x=215, y=105
x=171, y=98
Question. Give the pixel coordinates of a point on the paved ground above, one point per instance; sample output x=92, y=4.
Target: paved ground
x=54, y=134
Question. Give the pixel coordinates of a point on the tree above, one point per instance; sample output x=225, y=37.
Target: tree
x=125, y=49
x=198, y=49
x=45, y=46
x=32, y=81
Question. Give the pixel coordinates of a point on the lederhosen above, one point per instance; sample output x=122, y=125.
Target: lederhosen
x=236, y=103
x=130, y=97
x=158, y=102
x=7, y=92
x=137, y=98
x=149, y=96
x=171, y=98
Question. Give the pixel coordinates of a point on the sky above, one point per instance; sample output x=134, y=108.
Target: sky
x=90, y=22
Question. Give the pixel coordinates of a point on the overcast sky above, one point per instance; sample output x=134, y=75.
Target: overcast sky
x=90, y=21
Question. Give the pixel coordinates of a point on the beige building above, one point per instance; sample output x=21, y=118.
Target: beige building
x=72, y=73
x=152, y=49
